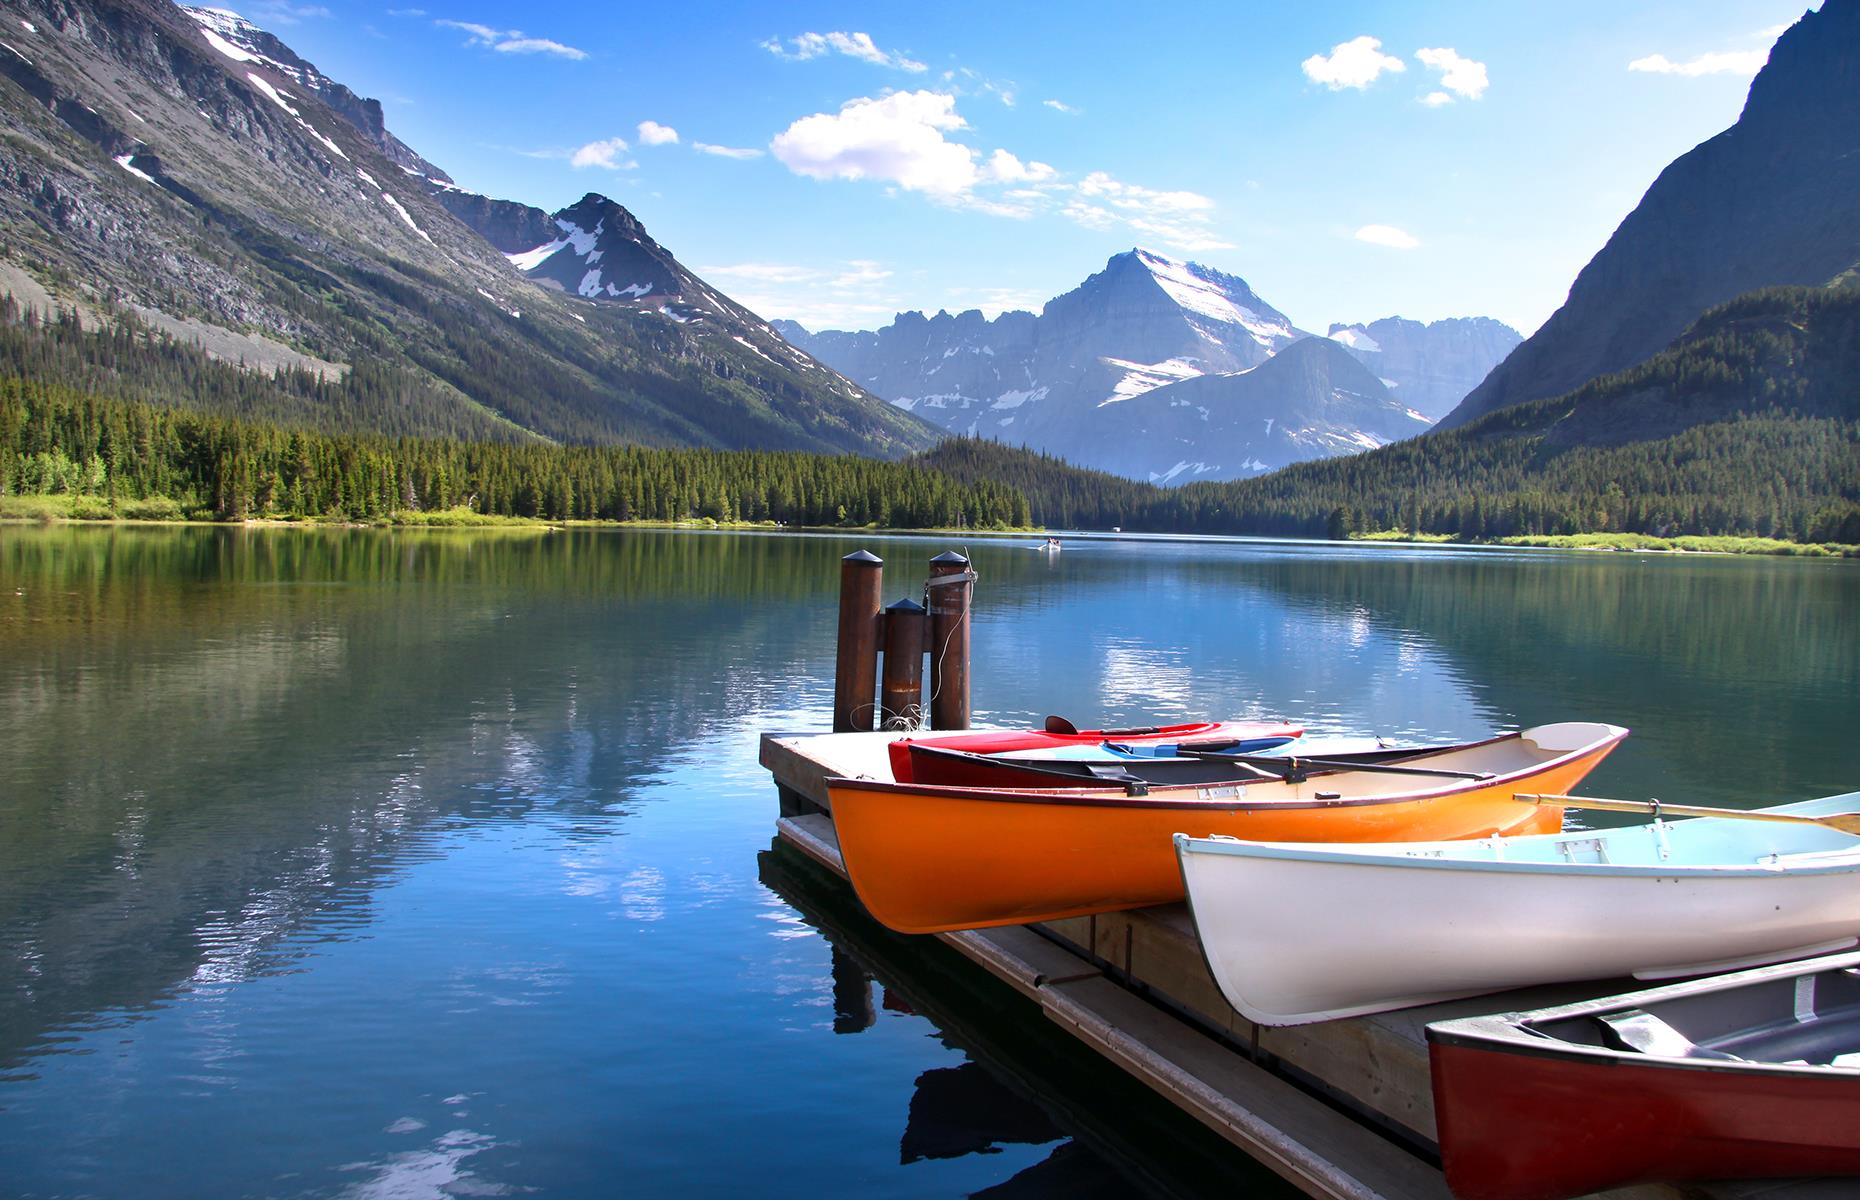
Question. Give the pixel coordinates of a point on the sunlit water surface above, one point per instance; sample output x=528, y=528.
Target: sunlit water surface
x=355, y=863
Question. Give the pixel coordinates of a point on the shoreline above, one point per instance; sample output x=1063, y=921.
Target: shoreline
x=453, y=520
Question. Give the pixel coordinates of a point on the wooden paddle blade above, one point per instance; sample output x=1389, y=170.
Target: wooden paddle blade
x=1061, y=726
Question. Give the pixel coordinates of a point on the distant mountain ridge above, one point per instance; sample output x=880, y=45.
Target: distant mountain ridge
x=1430, y=366
x=1181, y=338
x=187, y=166
x=1773, y=200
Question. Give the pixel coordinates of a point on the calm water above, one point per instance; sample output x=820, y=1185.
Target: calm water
x=353, y=863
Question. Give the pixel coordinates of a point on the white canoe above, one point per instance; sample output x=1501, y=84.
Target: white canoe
x=1297, y=932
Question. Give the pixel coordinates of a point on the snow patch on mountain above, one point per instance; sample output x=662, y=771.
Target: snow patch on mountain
x=1139, y=378
x=124, y=161
x=278, y=98
x=531, y=259
x=1194, y=291
x=1194, y=468
x=404, y=215
x=582, y=240
x=1356, y=339
x=1014, y=399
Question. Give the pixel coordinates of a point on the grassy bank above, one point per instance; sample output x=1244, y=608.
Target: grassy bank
x=1634, y=542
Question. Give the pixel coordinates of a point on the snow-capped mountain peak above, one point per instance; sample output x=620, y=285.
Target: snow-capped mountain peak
x=1206, y=294
x=602, y=252
x=243, y=42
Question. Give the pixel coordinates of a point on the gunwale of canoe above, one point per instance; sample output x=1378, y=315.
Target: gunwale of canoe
x=927, y=860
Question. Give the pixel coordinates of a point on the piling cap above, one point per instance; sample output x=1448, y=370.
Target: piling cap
x=906, y=605
x=865, y=557
x=950, y=557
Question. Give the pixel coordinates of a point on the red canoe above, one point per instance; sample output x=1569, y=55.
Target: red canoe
x=1752, y=1075
x=1059, y=733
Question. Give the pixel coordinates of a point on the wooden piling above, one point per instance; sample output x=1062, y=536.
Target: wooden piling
x=950, y=588
x=855, y=668
x=901, y=687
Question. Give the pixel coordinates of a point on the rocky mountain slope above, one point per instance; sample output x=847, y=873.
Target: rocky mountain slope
x=1431, y=366
x=1313, y=399
x=187, y=167
x=1158, y=369
x=1773, y=200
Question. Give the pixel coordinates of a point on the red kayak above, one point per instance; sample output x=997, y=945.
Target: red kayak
x=1059, y=732
x=1754, y=1075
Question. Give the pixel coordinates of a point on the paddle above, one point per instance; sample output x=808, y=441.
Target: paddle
x=1294, y=766
x=1848, y=823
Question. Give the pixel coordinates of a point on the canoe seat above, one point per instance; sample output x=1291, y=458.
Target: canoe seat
x=1637, y=1029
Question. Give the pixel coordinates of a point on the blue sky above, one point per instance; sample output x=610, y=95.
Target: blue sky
x=838, y=163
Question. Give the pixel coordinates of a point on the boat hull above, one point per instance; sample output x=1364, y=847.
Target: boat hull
x=927, y=860
x=1298, y=934
x=1613, y=1124
x=1522, y=1116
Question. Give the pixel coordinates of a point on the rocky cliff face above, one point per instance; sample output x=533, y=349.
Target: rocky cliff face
x=1773, y=200
x=187, y=166
x=1429, y=367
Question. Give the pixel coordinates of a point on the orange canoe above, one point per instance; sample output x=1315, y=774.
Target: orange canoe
x=925, y=859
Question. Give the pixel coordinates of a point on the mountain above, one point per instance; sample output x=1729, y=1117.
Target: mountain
x=1773, y=200
x=1164, y=370
x=1144, y=321
x=186, y=168
x=1748, y=424
x=1312, y=399
x=1430, y=367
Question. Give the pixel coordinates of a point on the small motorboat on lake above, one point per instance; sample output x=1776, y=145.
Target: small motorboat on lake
x=1060, y=733
x=1749, y=1075
x=1297, y=932
x=927, y=858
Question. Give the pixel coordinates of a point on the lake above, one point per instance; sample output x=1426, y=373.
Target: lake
x=422, y=864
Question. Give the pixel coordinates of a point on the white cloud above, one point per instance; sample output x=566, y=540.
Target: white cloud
x=510, y=41
x=279, y=12
x=967, y=81
x=852, y=45
x=1061, y=106
x=1179, y=219
x=1005, y=168
x=651, y=133
x=900, y=139
x=1461, y=76
x=1735, y=62
x=605, y=153
x=1387, y=235
x=847, y=295
x=894, y=139
x=758, y=272
x=1356, y=63
x=523, y=45
x=861, y=271
x=726, y=151
x=1436, y=99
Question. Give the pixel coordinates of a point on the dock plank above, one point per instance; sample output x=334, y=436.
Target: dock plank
x=1315, y=1147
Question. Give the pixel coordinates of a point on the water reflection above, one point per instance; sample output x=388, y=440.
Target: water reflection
x=250, y=780
x=1022, y=1082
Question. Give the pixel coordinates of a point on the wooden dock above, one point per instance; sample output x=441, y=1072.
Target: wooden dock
x=1341, y=1109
